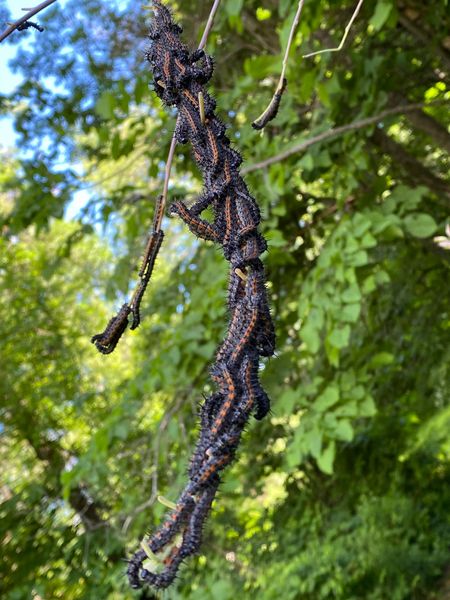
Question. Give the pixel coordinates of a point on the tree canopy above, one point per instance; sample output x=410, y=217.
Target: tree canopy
x=343, y=491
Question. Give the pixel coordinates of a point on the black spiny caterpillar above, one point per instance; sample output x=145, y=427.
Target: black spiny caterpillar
x=179, y=78
x=28, y=24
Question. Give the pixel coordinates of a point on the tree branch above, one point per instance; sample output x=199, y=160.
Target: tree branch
x=330, y=134
x=424, y=38
x=25, y=18
x=431, y=127
x=417, y=172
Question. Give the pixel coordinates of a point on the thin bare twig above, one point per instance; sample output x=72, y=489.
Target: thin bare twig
x=344, y=37
x=289, y=43
x=272, y=108
x=332, y=133
x=209, y=24
x=24, y=19
x=169, y=161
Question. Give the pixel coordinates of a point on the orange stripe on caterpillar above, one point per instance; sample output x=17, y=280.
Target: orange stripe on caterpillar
x=199, y=227
x=216, y=465
x=213, y=145
x=192, y=123
x=180, y=65
x=246, y=337
x=166, y=64
x=226, y=169
x=228, y=222
x=228, y=403
x=192, y=99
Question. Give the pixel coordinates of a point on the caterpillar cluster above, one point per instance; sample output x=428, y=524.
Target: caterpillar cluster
x=179, y=79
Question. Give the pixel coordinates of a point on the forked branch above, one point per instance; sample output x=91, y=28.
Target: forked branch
x=344, y=37
x=271, y=111
x=21, y=22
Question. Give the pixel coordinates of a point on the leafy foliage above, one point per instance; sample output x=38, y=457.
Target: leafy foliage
x=343, y=492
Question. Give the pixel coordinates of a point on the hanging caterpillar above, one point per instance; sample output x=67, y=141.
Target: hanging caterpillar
x=272, y=110
x=179, y=80
x=28, y=24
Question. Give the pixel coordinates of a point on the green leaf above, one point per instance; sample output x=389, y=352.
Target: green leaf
x=420, y=225
x=326, y=459
x=140, y=89
x=339, y=337
x=310, y=335
x=283, y=7
x=361, y=223
x=368, y=241
x=275, y=239
x=382, y=358
x=233, y=7
x=332, y=354
x=381, y=14
x=350, y=312
x=382, y=277
x=369, y=285
x=327, y=398
x=358, y=259
x=115, y=146
x=313, y=442
x=294, y=452
x=367, y=407
x=407, y=198
x=316, y=317
x=323, y=94
x=104, y=106
x=307, y=162
x=351, y=294
x=350, y=409
x=66, y=479
x=287, y=401
x=344, y=431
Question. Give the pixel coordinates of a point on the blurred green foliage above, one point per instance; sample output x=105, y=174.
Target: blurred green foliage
x=343, y=492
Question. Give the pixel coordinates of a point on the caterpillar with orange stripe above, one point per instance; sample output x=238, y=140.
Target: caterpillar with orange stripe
x=179, y=80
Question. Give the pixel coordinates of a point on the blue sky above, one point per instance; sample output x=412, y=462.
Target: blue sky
x=7, y=51
x=9, y=80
